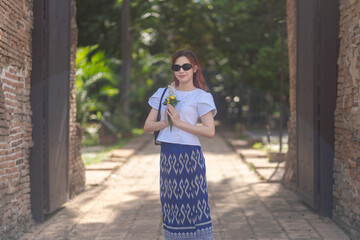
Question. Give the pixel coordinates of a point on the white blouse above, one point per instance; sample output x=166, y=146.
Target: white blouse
x=191, y=106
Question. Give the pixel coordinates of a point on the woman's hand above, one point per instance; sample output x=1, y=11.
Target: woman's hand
x=173, y=114
x=166, y=118
x=207, y=129
x=151, y=123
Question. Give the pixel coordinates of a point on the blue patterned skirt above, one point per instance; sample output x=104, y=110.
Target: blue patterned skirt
x=183, y=193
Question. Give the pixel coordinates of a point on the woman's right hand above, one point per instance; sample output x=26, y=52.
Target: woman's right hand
x=166, y=118
x=151, y=123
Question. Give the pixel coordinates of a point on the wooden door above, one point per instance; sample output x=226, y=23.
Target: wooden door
x=328, y=30
x=307, y=102
x=58, y=104
x=317, y=53
x=50, y=105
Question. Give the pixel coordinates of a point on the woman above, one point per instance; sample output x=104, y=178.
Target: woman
x=183, y=186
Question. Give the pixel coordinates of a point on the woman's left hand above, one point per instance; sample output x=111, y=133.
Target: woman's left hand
x=174, y=115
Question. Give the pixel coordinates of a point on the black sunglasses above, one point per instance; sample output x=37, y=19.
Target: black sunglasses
x=186, y=66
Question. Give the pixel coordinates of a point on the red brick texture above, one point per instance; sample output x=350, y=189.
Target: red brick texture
x=346, y=191
x=290, y=175
x=346, y=188
x=76, y=166
x=16, y=24
x=15, y=116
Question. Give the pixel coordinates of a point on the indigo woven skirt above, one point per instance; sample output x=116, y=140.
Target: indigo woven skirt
x=183, y=193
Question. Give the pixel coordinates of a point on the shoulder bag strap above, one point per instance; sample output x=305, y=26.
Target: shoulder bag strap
x=158, y=114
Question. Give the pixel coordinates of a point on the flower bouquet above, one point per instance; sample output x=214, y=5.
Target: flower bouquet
x=171, y=99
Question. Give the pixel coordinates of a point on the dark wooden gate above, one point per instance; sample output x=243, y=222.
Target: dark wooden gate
x=306, y=102
x=329, y=48
x=316, y=98
x=50, y=105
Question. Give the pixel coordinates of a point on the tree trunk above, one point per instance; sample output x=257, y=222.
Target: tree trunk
x=126, y=58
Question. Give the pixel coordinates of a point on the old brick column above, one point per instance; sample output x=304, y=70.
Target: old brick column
x=15, y=116
x=76, y=166
x=290, y=176
x=346, y=191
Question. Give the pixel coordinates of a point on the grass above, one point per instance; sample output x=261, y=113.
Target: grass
x=91, y=139
x=259, y=146
x=97, y=157
x=272, y=147
x=93, y=159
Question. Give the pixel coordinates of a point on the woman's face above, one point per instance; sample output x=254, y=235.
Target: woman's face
x=182, y=75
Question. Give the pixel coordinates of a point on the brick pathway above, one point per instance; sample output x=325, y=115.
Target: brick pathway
x=127, y=205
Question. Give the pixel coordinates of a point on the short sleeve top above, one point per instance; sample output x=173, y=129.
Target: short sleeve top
x=191, y=106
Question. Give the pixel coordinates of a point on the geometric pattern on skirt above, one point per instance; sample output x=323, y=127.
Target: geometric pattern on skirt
x=184, y=193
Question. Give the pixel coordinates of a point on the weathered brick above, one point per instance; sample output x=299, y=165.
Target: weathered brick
x=346, y=188
x=76, y=181
x=290, y=177
x=15, y=117
x=4, y=165
x=15, y=40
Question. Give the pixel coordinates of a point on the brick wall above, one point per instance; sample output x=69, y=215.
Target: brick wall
x=15, y=116
x=346, y=191
x=76, y=166
x=16, y=24
x=289, y=178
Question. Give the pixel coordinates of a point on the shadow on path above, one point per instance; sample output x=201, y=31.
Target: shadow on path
x=127, y=205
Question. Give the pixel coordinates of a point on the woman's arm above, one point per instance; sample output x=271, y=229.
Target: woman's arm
x=151, y=125
x=206, y=130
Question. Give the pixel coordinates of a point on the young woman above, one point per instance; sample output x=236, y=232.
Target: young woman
x=183, y=186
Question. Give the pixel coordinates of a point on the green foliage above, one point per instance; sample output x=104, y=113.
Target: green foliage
x=96, y=85
x=99, y=23
x=272, y=147
x=150, y=71
x=93, y=159
x=258, y=145
x=137, y=131
x=90, y=139
x=237, y=43
x=121, y=123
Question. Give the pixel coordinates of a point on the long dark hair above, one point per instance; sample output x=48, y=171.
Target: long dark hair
x=198, y=79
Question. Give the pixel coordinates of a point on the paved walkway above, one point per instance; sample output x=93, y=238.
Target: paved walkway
x=127, y=205
x=257, y=159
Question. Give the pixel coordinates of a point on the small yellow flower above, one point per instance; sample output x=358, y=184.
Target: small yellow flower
x=171, y=99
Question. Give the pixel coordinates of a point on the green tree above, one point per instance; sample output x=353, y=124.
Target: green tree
x=237, y=43
x=96, y=84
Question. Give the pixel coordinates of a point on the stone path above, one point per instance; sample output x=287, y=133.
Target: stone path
x=127, y=205
x=257, y=160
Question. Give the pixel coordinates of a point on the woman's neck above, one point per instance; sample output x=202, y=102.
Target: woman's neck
x=186, y=87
